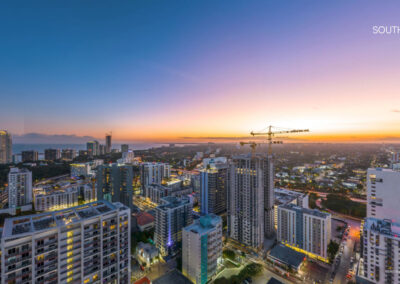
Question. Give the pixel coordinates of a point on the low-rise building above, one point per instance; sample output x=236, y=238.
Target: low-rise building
x=147, y=253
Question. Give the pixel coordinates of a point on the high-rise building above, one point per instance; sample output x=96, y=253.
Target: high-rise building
x=124, y=148
x=246, y=200
x=19, y=187
x=50, y=197
x=114, y=183
x=29, y=156
x=269, y=196
x=383, y=198
x=171, y=217
x=381, y=252
x=84, y=244
x=108, y=143
x=128, y=157
x=284, y=196
x=201, y=248
x=52, y=154
x=308, y=230
x=93, y=148
x=68, y=154
x=5, y=147
x=102, y=149
x=213, y=189
x=153, y=173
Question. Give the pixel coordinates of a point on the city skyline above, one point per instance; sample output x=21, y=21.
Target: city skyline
x=183, y=71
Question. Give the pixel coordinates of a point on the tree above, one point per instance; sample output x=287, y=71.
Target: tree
x=333, y=248
x=230, y=254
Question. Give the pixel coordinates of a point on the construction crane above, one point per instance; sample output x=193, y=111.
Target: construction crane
x=270, y=135
x=252, y=144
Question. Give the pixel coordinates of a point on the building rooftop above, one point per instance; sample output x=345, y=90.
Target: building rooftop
x=314, y=212
x=171, y=202
x=144, y=218
x=383, y=226
x=284, y=196
x=26, y=225
x=172, y=277
x=287, y=256
x=204, y=224
x=58, y=187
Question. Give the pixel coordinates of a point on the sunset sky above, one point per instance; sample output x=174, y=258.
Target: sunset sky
x=167, y=70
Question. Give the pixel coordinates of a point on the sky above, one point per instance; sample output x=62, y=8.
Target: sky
x=200, y=70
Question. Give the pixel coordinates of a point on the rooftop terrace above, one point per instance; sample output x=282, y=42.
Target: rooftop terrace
x=25, y=225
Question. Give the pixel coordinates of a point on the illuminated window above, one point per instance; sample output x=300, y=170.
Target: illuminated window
x=69, y=266
x=70, y=234
x=70, y=279
x=69, y=247
x=70, y=260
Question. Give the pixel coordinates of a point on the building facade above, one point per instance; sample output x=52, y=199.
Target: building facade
x=201, y=248
x=284, y=196
x=5, y=147
x=52, y=154
x=84, y=244
x=57, y=197
x=153, y=173
x=19, y=187
x=29, y=156
x=108, y=143
x=213, y=189
x=93, y=148
x=246, y=200
x=171, y=217
x=114, y=183
x=68, y=154
x=306, y=230
x=383, y=188
x=381, y=251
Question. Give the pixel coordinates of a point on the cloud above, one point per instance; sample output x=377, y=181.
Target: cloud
x=396, y=110
x=38, y=138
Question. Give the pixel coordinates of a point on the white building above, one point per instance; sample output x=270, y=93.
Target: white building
x=82, y=169
x=171, y=216
x=201, y=248
x=246, y=200
x=153, y=173
x=214, y=161
x=19, y=187
x=307, y=230
x=84, y=244
x=157, y=191
x=63, y=195
x=128, y=156
x=381, y=252
x=284, y=196
x=383, y=194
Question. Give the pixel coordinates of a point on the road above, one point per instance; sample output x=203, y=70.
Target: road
x=348, y=250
